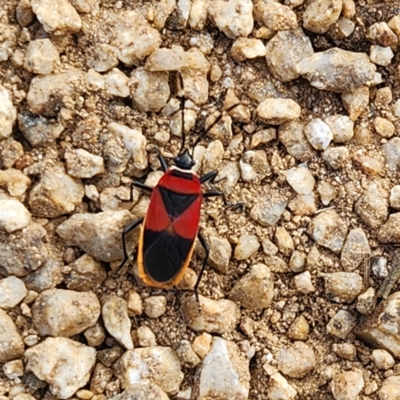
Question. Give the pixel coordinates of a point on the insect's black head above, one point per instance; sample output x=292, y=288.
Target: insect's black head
x=184, y=160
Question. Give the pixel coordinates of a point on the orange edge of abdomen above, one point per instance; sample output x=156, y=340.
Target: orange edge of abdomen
x=142, y=272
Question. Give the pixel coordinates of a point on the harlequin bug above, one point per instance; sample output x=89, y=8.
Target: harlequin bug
x=171, y=225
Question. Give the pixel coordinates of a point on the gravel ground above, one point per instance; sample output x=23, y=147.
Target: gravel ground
x=300, y=299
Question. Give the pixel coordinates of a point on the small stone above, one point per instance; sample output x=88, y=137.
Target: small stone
x=10, y=152
x=244, y=49
x=275, y=16
x=382, y=359
x=356, y=101
x=390, y=388
x=213, y=156
x=303, y=283
x=269, y=211
x=328, y=230
x=342, y=127
x=379, y=267
x=39, y=131
x=366, y=302
x=345, y=27
x=13, y=369
x=355, y=250
x=254, y=166
x=41, y=57
x=198, y=14
x=336, y=157
x=8, y=113
x=212, y=316
x=99, y=235
x=103, y=58
x=82, y=164
x=108, y=356
x=11, y=344
x=15, y=182
x=12, y=292
x=372, y=206
x=380, y=33
x=135, y=306
x=263, y=137
x=392, y=153
x=146, y=337
x=321, y=14
x=155, y=306
x=141, y=391
x=284, y=241
x=55, y=194
x=116, y=320
x=296, y=361
x=158, y=364
x=24, y=13
x=63, y=363
x=369, y=165
x=279, y=388
x=269, y=247
x=293, y=138
x=299, y=329
x=285, y=50
x=116, y=83
x=346, y=351
x=220, y=252
x=255, y=290
x=341, y=324
x=347, y=385
x=58, y=16
x=246, y=246
x=95, y=335
x=300, y=179
x=337, y=70
x=59, y=312
x=343, y=287
x=278, y=111
x=202, y=344
x=318, y=133
x=381, y=55
x=384, y=127
x=187, y=355
x=327, y=192
x=13, y=215
x=394, y=198
x=297, y=261
x=101, y=376
x=233, y=17
x=233, y=377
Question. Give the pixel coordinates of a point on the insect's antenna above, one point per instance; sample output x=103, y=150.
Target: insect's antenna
x=214, y=123
x=180, y=89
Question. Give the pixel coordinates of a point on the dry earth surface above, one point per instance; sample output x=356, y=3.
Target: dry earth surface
x=300, y=299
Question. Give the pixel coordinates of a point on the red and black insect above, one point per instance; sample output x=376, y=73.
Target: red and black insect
x=171, y=225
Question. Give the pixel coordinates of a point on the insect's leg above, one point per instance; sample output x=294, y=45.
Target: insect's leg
x=164, y=164
x=127, y=229
x=209, y=177
x=213, y=193
x=207, y=250
x=141, y=185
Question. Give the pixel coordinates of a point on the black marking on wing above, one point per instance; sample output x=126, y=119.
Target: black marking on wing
x=164, y=254
x=176, y=203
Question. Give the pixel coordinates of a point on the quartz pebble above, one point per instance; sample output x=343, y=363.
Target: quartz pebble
x=336, y=157
x=244, y=48
x=12, y=291
x=301, y=180
x=255, y=290
x=101, y=377
x=382, y=359
x=342, y=127
x=355, y=249
x=381, y=55
x=95, y=335
x=347, y=385
x=155, y=306
x=58, y=16
x=384, y=127
x=346, y=351
x=318, y=133
x=141, y=391
x=341, y=324
x=279, y=388
x=116, y=83
x=233, y=378
x=254, y=166
x=297, y=261
x=116, y=320
x=212, y=316
x=269, y=211
x=41, y=57
x=8, y=113
x=380, y=33
x=13, y=215
x=275, y=16
x=10, y=152
x=146, y=337
x=55, y=194
x=328, y=230
x=337, y=70
x=278, y=111
x=296, y=361
x=321, y=14
x=82, y=164
x=187, y=354
x=303, y=204
x=390, y=388
x=11, y=344
x=303, y=283
x=285, y=50
x=59, y=312
x=327, y=192
x=158, y=364
x=299, y=329
x=99, y=235
x=202, y=344
x=103, y=58
x=213, y=156
x=356, y=101
x=233, y=17
x=247, y=245
x=63, y=363
x=343, y=287
x=15, y=182
x=220, y=252
x=13, y=369
x=135, y=306
x=392, y=153
x=394, y=199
